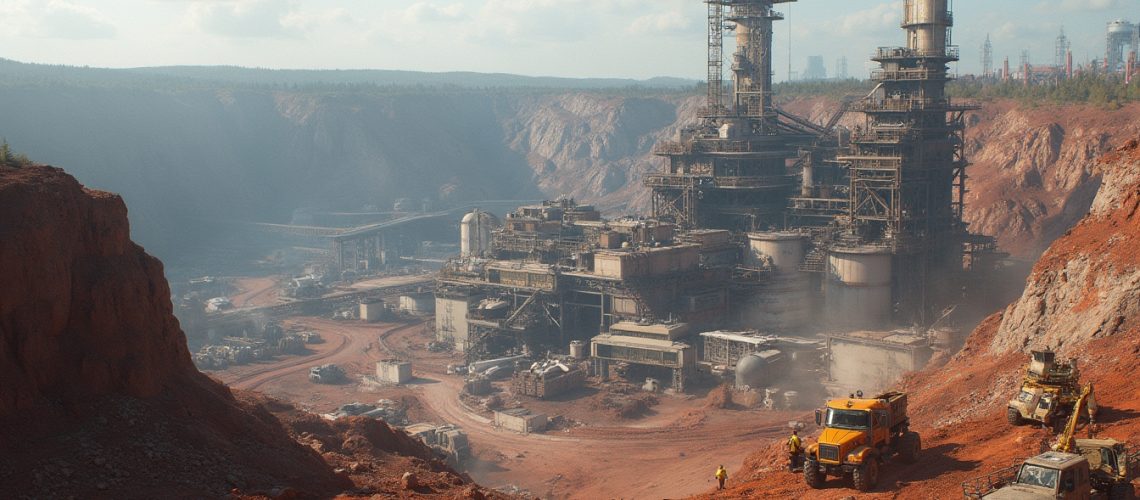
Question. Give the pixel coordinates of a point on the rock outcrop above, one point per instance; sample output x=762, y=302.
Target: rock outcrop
x=1087, y=285
x=98, y=395
x=84, y=312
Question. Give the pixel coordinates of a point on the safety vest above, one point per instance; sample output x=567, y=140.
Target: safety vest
x=794, y=444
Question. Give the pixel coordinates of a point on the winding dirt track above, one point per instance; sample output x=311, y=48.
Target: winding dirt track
x=252, y=381
x=674, y=452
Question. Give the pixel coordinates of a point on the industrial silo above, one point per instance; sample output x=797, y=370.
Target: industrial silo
x=858, y=291
x=784, y=302
x=475, y=233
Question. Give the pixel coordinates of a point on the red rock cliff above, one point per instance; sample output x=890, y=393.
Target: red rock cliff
x=98, y=395
x=84, y=311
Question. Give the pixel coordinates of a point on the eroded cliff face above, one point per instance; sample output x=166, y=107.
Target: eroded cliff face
x=596, y=148
x=83, y=310
x=1087, y=285
x=1033, y=174
x=98, y=395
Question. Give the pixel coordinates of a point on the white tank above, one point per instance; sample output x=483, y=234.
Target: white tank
x=785, y=249
x=1120, y=26
x=577, y=349
x=475, y=233
x=858, y=292
x=785, y=301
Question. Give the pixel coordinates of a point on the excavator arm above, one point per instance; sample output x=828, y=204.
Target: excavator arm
x=1066, y=442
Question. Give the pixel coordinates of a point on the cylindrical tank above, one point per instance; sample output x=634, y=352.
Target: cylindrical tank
x=475, y=233
x=784, y=248
x=752, y=371
x=784, y=302
x=858, y=292
x=577, y=349
x=926, y=22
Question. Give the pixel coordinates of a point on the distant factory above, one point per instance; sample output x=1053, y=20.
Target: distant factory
x=771, y=237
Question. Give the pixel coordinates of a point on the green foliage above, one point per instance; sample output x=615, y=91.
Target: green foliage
x=1110, y=92
x=9, y=158
x=823, y=88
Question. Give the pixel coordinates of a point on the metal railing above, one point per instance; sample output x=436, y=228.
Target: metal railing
x=980, y=486
x=949, y=52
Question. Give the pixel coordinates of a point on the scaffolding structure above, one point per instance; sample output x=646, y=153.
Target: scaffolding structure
x=908, y=163
x=731, y=171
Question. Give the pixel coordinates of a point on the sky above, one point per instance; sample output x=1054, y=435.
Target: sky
x=569, y=38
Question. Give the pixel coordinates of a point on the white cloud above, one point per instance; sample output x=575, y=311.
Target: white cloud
x=427, y=13
x=54, y=19
x=1079, y=5
x=249, y=19
x=663, y=22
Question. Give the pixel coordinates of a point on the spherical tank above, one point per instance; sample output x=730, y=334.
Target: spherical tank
x=858, y=293
x=752, y=371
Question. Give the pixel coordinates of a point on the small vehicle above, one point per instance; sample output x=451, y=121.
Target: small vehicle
x=1050, y=475
x=1049, y=390
x=859, y=435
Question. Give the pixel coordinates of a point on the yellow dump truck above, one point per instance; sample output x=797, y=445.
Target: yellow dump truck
x=859, y=435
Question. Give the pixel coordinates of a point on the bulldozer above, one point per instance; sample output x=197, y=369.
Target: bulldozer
x=1049, y=390
x=859, y=435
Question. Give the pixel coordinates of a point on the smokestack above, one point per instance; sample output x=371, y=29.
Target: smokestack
x=1069, y=65
x=1025, y=74
x=927, y=24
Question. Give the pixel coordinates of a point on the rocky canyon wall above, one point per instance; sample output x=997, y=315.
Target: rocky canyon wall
x=181, y=158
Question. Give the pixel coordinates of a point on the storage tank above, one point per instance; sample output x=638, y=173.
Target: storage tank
x=475, y=233
x=577, y=349
x=757, y=369
x=784, y=248
x=785, y=301
x=858, y=292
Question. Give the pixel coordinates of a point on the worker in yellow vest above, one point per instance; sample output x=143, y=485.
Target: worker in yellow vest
x=721, y=475
x=795, y=452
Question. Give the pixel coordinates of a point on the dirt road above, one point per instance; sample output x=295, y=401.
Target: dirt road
x=674, y=451
x=255, y=292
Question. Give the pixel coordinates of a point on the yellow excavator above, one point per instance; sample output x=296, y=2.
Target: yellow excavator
x=1065, y=441
x=1111, y=467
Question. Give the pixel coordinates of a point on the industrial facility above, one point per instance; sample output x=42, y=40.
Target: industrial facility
x=764, y=226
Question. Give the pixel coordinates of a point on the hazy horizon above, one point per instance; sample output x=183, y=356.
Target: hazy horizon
x=619, y=39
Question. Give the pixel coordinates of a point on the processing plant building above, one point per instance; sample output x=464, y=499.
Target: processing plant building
x=761, y=220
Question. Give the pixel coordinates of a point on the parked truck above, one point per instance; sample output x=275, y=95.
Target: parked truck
x=1050, y=475
x=859, y=435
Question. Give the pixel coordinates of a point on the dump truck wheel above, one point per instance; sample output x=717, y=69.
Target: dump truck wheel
x=866, y=476
x=1013, y=416
x=812, y=475
x=909, y=445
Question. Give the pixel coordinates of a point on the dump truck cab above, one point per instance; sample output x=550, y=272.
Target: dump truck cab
x=859, y=435
x=1050, y=475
